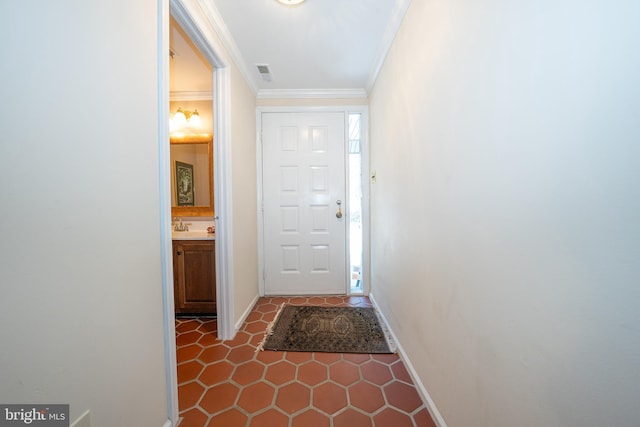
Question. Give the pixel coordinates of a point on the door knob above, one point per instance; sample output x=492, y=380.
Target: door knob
x=339, y=213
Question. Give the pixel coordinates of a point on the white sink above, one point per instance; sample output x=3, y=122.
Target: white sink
x=192, y=235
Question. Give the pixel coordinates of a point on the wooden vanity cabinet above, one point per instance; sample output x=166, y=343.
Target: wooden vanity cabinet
x=194, y=276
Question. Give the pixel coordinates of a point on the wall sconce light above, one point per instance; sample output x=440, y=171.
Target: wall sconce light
x=184, y=120
x=186, y=124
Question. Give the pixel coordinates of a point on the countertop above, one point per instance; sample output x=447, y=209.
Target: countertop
x=193, y=235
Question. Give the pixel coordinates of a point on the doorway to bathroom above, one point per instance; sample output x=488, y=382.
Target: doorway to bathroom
x=197, y=27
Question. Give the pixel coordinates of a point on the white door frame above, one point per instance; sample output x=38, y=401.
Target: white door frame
x=198, y=26
x=364, y=111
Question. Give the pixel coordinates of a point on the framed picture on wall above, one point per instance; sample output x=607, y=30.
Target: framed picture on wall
x=184, y=184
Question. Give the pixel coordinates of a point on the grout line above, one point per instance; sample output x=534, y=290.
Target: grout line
x=262, y=309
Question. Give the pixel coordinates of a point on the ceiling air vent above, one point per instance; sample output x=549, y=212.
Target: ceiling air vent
x=263, y=69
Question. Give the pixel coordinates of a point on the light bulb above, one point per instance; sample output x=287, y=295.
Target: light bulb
x=179, y=119
x=194, y=120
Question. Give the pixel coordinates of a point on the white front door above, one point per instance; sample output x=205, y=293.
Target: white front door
x=303, y=187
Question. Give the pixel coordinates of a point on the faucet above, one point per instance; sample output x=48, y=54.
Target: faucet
x=178, y=225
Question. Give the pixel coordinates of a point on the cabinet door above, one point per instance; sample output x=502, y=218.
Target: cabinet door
x=194, y=276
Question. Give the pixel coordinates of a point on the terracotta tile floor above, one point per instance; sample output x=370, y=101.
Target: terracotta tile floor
x=229, y=384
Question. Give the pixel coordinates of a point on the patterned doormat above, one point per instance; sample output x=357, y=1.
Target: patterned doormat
x=326, y=329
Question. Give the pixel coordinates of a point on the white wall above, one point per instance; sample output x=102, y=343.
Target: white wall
x=244, y=187
x=506, y=213
x=81, y=304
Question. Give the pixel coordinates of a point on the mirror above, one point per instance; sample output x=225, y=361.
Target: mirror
x=192, y=176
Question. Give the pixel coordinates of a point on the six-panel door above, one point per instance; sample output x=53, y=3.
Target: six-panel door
x=304, y=202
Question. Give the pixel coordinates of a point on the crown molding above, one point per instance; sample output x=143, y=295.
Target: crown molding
x=397, y=15
x=229, y=43
x=191, y=95
x=312, y=93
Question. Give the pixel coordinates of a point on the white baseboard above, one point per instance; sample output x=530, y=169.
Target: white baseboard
x=167, y=423
x=426, y=397
x=245, y=314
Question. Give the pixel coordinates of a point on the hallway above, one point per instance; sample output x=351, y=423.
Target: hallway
x=229, y=384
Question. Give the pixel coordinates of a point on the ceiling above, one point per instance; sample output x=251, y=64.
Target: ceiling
x=189, y=71
x=319, y=45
